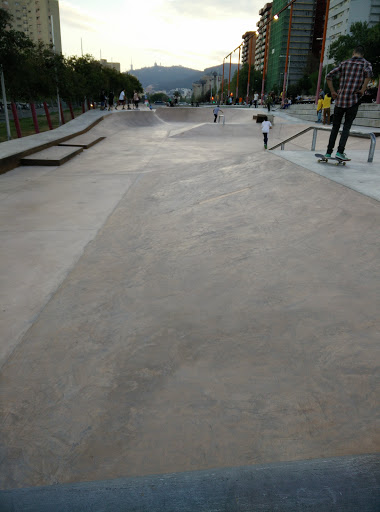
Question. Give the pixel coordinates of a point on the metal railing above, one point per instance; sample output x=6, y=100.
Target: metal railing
x=371, y=136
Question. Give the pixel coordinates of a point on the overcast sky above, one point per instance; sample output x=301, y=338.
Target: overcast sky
x=192, y=33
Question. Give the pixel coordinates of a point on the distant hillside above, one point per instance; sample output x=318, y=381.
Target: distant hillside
x=166, y=78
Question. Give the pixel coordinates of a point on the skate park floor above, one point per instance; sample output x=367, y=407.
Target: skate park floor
x=176, y=298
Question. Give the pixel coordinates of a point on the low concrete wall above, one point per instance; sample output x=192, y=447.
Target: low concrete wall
x=346, y=484
x=368, y=114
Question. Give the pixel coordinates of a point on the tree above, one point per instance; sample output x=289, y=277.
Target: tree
x=158, y=96
x=361, y=34
x=256, y=78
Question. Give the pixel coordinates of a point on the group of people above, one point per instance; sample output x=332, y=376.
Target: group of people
x=324, y=107
x=110, y=99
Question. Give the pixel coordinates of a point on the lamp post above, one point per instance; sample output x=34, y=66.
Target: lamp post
x=229, y=76
x=237, y=81
x=322, y=52
x=222, y=84
x=287, y=61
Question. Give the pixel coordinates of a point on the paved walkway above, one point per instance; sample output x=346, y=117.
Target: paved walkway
x=176, y=298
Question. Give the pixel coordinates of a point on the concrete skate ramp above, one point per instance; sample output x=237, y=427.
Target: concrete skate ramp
x=133, y=118
x=203, y=115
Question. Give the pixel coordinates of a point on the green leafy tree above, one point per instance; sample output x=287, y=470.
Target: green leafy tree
x=158, y=96
x=256, y=78
x=361, y=34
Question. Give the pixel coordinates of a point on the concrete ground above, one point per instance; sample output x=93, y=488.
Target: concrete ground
x=176, y=298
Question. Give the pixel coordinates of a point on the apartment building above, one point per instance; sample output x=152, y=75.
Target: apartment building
x=112, y=65
x=249, y=48
x=262, y=28
x=37, y=19
x=343, y=13
x=207, y=83
x=305, y=41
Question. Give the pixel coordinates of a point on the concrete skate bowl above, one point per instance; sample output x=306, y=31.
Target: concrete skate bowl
x=203, y=115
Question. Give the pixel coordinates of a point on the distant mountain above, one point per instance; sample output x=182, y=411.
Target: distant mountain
x=163, y=78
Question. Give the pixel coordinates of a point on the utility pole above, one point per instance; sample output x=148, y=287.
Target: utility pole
x=58, y=99
x=5, y=105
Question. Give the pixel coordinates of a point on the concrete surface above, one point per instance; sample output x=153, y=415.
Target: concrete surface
x=176, y=298
x=345, y=484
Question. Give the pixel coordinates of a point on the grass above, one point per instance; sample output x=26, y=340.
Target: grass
x=27, y=126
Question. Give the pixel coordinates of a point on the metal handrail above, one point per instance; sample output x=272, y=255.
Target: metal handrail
x=370, y=135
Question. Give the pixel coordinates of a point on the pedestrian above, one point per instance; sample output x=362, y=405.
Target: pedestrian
x=121, y=100
x=319, y=110
x=255, y=99
x=326, y=108
x=111, y=97
x=265, y=127
x=269, y=102
x=136, y=99
x=216, y=112
x=355, y=74
x=103, y=100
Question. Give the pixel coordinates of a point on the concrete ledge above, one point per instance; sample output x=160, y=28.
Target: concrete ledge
x=56, y=155
x=11, y=152
x=83, y=141
x=346, y=484
x=260, y=117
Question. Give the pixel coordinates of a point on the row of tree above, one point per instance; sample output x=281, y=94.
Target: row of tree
x=34, y=71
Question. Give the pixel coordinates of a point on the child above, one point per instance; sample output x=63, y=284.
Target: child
x=265, y=127
x=326, y=108
x=319, y=109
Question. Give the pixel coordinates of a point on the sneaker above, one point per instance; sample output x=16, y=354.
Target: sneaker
x=341, y=156
x=328, y=155
x=265, y=146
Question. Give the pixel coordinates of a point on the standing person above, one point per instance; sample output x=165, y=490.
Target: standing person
x=216, y=112
x=136, y=99
x=111, y=97
x=319, y=110
x=255, y=99
x=121, y=99
x=103, y=100
x=354, y=73
x=269, y=102
x=265, y=127
x=326, y=108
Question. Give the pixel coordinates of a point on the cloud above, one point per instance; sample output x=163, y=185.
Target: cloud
x=76, y=17
x=215, y=9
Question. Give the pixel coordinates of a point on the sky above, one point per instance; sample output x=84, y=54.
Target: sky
x=191, y=33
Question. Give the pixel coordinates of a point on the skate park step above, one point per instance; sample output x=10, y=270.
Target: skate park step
x=56, y=155
x=82, y=141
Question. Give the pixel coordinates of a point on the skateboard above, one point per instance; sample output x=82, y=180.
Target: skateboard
x=339, y=161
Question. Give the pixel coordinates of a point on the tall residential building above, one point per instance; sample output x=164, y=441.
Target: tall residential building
x=265, y=15
x=249, y=48
x=36, y=18
x=343, y=13
x=305, y=41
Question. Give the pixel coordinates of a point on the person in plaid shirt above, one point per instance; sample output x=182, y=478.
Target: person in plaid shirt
x=354, y=73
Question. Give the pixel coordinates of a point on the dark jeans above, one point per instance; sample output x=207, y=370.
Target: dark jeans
x=349, y=116
x=215, y=117
x=265, y=138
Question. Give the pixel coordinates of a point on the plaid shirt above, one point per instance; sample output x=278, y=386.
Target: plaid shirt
x=352, y=74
